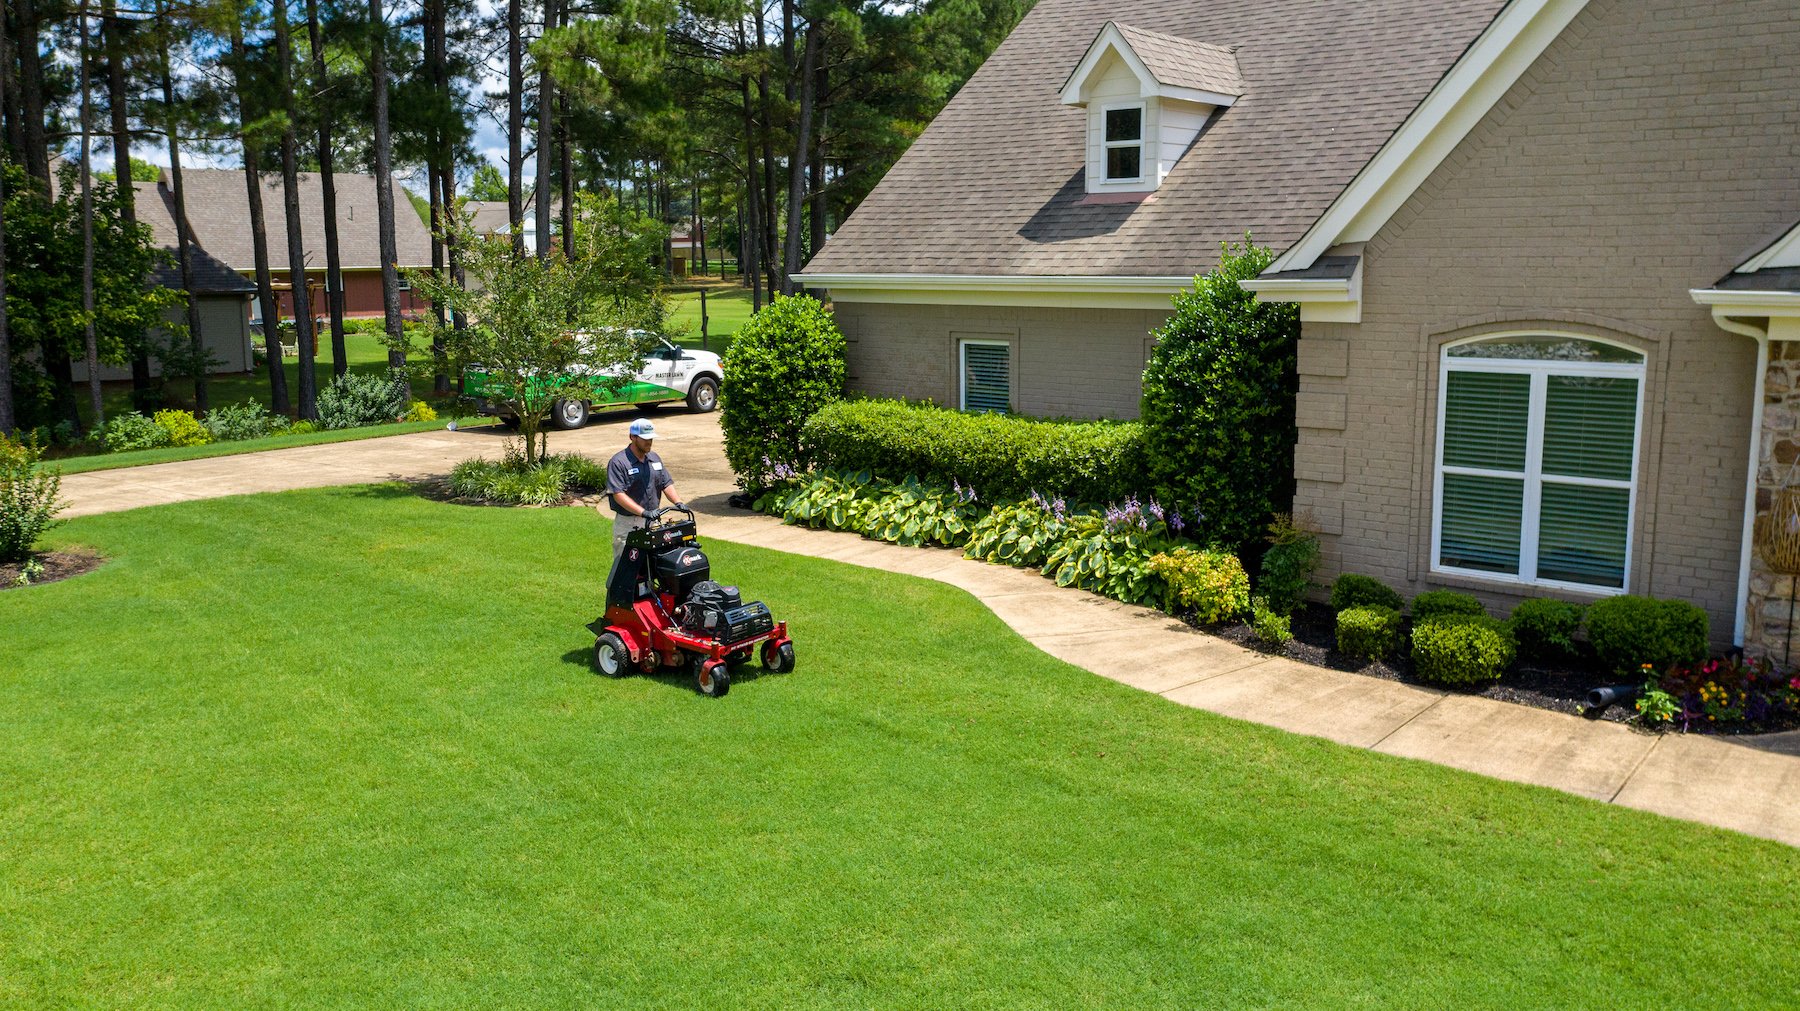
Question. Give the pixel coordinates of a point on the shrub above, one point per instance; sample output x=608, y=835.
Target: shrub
x=1368, y=631
x=419, y=410
x=1441, y=603
x=1218, y=405
x=784, y=365
x=1462, y=649
x=1722, y=694
x=909, y=512
x=1109, y=555
x=1003, y=457
x=1269, y=625
x=515, y=481
x=1351, y=590
x=302, y=428
x=1546, y=628
x=130, y=431
x=1287, y=565
x=1211, y=582
x=184, y=429
x=355, y=399
x=1628, y=632
x=28, y=498
x=249, y=420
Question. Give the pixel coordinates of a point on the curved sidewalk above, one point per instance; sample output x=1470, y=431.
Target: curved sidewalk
x=1696, y=778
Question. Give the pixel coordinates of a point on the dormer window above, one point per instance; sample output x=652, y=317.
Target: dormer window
x=1147, y=96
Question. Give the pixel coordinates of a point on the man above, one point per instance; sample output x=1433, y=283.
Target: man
x=636, y=482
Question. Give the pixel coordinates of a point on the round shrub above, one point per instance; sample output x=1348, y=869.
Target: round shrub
x=1546, y=628
x=248, y=420
x=129, y=431
x=1352, y=590
x=184, y=429
x=1462, y=649
x=419, y=410
x=784, y=365
x=1287, y=565
x=1218, y=404
x=29, y=497
x=1213, y=583
x=1442, y=603
x=1628, y=632
x=355, y=399
x=1368, y=631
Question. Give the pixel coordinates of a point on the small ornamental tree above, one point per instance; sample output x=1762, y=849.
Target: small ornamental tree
x=549, y=329
x=783, y=365
x=1218, y=405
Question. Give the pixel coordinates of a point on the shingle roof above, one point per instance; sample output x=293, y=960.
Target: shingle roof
x=994, y=185
x=1185, y=63
x=489, y=217
x=219, y=210
x=211, y=276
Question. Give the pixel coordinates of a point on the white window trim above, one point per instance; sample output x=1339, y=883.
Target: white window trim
x=1540, y=371
x=962, y=369
x=1140, y=143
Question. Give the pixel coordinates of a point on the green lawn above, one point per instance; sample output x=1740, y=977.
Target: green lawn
x=343, y=748
x=363, y=352
x=727, y=309
x=170, y=454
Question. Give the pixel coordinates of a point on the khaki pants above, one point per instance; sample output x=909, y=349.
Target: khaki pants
x=624, y=523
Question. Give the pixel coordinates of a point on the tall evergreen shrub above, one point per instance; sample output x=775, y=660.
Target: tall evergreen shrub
x=1218, y=406
x=784, y=364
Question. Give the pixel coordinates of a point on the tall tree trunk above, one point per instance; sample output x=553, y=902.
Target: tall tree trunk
x=90, y=341
x=768, y=228
x=790, y=264
x=31, y=92
x=749, y=233
x=112, y=26
x=442, y=384
x=546, y=138
x=259, y=229
x=8, y=418
x=697, y=237
x=184, y=232
x=14, y=119
x=515, y=128
x=567, y=152
x=818, y=213
x=334, y=273
x=384, y=191
x=290, y=204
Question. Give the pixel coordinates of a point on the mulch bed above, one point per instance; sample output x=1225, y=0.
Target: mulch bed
x=58, y=565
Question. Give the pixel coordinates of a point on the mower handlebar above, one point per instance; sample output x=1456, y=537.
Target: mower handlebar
x=656, y=514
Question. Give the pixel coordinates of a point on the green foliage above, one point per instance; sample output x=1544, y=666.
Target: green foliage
x=1020, y=534
x=1003, y=457
x=28, y=498
x=131, y=430
x=302, y=428
x=355, y=399
x=1287, y=564
x=1109, y=558
x=908, y=512
x=1213, y=583
x=184, y=429
x=1271, y=627
x=1628, y=632
x=248, y=420
x=783, y=366
x=419, y=410
x=1353, y=590
x=1368, y=631
x=518, y=480
x=1218, y=404
x=1546, y=628
x=1462, y=649
x=1439, y=603
x=1656, y=706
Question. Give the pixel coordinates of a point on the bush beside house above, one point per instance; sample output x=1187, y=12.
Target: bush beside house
x=782, y=367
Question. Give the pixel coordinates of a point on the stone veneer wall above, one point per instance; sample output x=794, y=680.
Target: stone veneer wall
x=1766, y=626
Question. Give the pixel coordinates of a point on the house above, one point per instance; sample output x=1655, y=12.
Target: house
x=1545, y=255
x=490, y=218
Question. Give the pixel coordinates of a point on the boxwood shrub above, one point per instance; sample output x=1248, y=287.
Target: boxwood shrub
x=1439, y=603
x=1368, y=631
x=784, y=365
x=1628, y=632
x=1462, y=649
x=1352, y=590
x=1546, y=628
x=1003, y=457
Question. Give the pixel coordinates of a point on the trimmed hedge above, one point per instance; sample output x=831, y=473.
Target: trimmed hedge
x=1352, y=590
x=1003, y=457
x=1443, y=603
x=1368, y=632
x=1463, y=649
x=1546, y=628
x=784, y=365
x=1628, y=632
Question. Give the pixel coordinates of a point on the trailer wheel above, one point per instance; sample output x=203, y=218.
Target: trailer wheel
x=712, y=677
x=610, y=655
x=778, y=659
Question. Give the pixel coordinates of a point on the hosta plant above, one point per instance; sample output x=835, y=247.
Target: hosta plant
x=1020, y=534
x=1109, y=558
x=913, y=514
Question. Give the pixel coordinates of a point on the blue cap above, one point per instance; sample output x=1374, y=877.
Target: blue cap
x=643, y=429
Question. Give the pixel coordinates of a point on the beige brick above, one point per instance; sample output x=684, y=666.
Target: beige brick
x=1320, y=410
x=1322, y=357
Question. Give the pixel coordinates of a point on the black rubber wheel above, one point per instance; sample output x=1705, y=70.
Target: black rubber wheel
x=778, y=659
x=510, y=421
x=610, y=656
x=703, y=395
x=712, y=677
x=568, y=414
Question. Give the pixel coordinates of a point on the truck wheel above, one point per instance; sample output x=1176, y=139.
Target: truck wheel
x=703, y=396
x=712, y=678
x=610, y=656
x=568, y=414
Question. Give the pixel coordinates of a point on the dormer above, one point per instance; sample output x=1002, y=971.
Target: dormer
x=1147, y=95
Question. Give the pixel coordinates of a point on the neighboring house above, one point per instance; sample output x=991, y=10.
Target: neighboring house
x=489, y=217
x=1545, y=253
x=218, y=207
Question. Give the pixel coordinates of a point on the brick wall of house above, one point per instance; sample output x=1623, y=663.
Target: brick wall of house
x=1647, y=152
x=362, y=294
x=1076, y=363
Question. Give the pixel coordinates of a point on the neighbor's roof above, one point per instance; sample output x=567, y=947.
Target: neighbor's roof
x=218, y=207
x=490, y=217
x=154, y=207
x=1185, y=63
x=994, y=186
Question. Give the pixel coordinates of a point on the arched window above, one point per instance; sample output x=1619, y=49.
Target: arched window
x=1537, y=460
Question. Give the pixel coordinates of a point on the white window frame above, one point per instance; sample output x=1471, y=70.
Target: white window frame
x=1540, y=371
x=962, y=369
x=1140, y=143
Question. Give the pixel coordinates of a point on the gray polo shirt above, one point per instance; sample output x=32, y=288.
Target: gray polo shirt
x=643, y=480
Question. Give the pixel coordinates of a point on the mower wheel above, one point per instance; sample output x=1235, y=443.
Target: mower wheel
x=712, y=677
x=778, y=659
x=610, y=656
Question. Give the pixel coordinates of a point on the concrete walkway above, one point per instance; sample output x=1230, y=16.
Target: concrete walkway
x=1701, y=779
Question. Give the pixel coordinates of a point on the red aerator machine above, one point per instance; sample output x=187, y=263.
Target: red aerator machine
x=664, y=612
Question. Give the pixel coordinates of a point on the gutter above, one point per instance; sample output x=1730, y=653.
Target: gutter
x=1720, y=302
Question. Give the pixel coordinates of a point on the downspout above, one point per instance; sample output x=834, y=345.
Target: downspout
x=1761, y=336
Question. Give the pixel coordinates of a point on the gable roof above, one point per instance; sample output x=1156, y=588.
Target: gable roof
x=994, y=186
x=219, y=210
x=1184, y=63
x=154, y=207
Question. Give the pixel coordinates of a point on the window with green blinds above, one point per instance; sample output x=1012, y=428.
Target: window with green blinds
x=986, y=376
x=1537, y=460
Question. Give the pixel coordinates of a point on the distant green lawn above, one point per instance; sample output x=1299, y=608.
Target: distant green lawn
x=727, y=309
x=363, y=352
x=343, y=748
x=170, y=454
